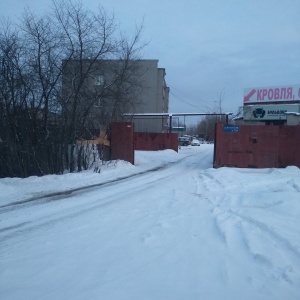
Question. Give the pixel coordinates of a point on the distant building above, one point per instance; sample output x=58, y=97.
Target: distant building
x=154, y=98
x=111, y=88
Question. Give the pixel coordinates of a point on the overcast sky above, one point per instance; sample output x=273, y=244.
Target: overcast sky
x=209, y=48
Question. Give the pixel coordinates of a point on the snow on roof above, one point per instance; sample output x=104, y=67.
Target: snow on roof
x=292, y=113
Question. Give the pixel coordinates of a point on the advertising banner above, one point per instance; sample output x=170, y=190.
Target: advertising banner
x=268, y=112
x=272, y=94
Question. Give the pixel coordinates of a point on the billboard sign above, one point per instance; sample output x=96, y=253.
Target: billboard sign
x=268, y=112
x=272, y=94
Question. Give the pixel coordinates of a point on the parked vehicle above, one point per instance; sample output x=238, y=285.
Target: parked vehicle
x=183, y=141
x=195, y=142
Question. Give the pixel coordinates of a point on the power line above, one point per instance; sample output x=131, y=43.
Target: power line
x=177, y=97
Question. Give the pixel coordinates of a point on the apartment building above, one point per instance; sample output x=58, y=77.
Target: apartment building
x=99, y=92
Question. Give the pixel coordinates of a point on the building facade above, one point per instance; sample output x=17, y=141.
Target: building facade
x=154, y=98
x=100, y=92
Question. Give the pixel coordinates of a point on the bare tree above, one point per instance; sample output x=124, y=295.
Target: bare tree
x=13, y=95
x=98, y=84
x=59, y=80
x=207, y=125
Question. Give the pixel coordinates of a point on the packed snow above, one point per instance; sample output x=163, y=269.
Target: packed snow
x=170, y=227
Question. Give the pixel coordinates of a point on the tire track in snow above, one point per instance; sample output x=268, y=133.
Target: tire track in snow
x=270, y=232
x=294, y=185
x=267, y=248
x=63, y=194
x=270, y=249
x=276, y=257
x=107, y=197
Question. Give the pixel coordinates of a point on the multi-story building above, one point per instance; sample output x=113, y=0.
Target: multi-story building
x=154, y=99
x=99, y=92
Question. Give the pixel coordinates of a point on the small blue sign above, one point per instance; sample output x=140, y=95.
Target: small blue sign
x=231, y=128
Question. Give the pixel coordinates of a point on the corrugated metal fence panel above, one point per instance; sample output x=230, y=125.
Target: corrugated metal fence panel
x=289, y=146
x=122, y=146
x=266, y=155
x=256, y=146
x=155, y=141
x=233, y=148
x=174, y=141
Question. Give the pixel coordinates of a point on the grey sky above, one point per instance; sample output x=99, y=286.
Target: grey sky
x=208, y=47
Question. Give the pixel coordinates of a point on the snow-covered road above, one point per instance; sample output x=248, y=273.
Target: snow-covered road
x=185, y=231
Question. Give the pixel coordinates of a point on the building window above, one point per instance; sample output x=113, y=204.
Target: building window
x=99, y=80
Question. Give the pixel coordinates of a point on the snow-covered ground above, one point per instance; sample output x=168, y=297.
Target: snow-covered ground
x=182, y=231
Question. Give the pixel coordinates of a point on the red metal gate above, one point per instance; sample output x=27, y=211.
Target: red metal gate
x=155, y=141
x=122, y=146
x=256, y=146
x=124, y=141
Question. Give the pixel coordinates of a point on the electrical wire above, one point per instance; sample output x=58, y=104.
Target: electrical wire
x=181, y=99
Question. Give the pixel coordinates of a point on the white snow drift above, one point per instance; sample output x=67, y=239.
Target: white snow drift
x=184, y=231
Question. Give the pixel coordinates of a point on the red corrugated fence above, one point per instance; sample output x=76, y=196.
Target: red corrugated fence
x=155, y=141
x=124, y=141
x=248, y=146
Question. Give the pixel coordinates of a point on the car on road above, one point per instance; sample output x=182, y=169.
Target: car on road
x=195, y=142
x=183, y=141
